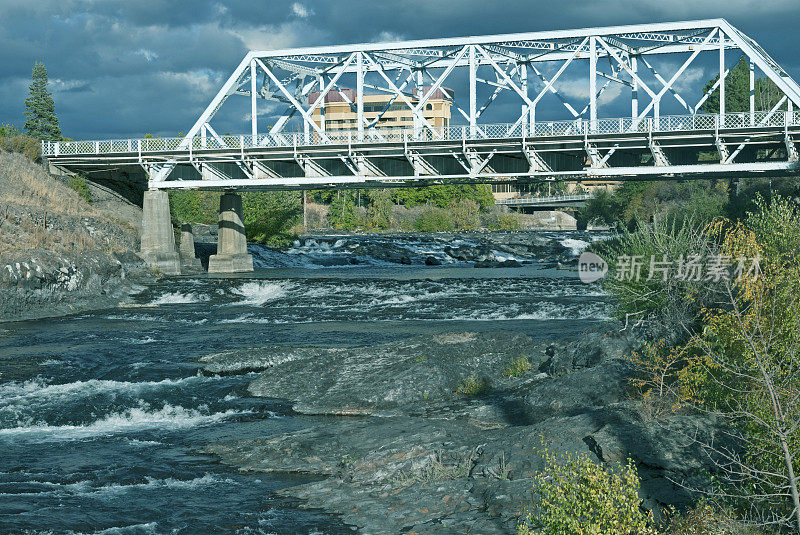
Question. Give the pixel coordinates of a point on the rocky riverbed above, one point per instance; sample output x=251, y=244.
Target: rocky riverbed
x=403, y=449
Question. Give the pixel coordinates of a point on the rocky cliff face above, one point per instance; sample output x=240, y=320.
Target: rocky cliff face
x=58, y=253
x=424, y=457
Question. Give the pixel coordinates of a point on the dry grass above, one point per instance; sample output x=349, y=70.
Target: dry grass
x=438, y=469
x=39, y=212
x=707, y=519
x=25, y=183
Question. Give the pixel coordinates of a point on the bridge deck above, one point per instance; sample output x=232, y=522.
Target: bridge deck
x=700, y=145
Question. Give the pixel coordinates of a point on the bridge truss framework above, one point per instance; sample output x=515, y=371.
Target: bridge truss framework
x=526, y=70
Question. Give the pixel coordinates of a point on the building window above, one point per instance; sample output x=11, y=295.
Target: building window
x=429, y=107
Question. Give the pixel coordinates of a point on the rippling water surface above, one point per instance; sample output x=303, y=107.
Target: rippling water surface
x=102, y=414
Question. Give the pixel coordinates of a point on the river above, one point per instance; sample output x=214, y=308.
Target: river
x=102, y=414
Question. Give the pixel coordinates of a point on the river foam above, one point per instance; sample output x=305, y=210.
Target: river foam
x=143, y=417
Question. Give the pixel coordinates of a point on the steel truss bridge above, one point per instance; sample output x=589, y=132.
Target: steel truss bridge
x=527, y=73
x=545, y=202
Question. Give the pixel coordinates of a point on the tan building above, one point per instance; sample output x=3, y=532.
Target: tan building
x=339, y=114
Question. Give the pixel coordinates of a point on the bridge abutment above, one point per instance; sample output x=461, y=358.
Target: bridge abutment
x=158, y=241
x=231, y=254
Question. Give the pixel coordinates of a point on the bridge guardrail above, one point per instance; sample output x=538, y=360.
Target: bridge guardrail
x=622, y=125
x=544, y=199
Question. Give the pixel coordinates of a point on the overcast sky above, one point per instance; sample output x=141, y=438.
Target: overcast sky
x=123, y=68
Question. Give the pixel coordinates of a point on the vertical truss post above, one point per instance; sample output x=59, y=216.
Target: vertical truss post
x=657, y=113
x=593, y=83
x=417, y=121
x=634, y=90
x=523, y=75
x=321, y=106
x=253, y=107
x=721, y=78
x=360, y=94
x=473, y=97
x=752, y=94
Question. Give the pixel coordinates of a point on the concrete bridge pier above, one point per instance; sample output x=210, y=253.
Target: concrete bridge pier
x=231, y=254
x=186, y=248
x=158, y=241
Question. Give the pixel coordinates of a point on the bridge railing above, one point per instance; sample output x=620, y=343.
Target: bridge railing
x=545, y=199
x=622, y=125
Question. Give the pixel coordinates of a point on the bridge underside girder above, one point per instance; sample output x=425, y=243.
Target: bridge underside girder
x=627, y=156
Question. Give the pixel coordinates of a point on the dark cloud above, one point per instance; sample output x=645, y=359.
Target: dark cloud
x=122, y=68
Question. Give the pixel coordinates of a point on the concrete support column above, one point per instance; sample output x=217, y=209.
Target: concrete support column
x=231, y=254
x=158, y=241
x=186, y=247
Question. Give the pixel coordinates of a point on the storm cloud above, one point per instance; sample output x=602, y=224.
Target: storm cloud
x=122, y=68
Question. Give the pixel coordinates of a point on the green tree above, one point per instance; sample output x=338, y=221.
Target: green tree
x=342, y=212
x=743, y=364
x=194, y=207
x=40, y=110
x=737, y=91
x=379, y=211
x=444, y=195
x=270, y=215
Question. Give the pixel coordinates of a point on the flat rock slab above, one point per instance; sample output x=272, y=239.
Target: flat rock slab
x=422, y=458
x=418, y=475
x=381, y=379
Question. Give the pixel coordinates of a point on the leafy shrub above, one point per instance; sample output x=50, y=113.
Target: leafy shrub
x=26, y=145
x=509, y=221
x=497, y=219
x=517, y=367
x=465, y=214
x=9, y=130
x=742, y=364
x=668, y=306
x=635, y=202
x=473, y=386
x=581, y=497
x=434, y=219
x=342, y=213
x=78, y=183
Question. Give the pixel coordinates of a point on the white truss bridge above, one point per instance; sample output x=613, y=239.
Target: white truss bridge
x=591, y=76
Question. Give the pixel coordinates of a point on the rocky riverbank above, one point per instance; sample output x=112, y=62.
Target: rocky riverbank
x=439, y=433
x=480, y=249
x=60, y=254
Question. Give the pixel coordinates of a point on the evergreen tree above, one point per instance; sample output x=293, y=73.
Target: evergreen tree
x=40, y=110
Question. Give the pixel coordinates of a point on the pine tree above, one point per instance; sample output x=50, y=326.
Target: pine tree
x=40, y=110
